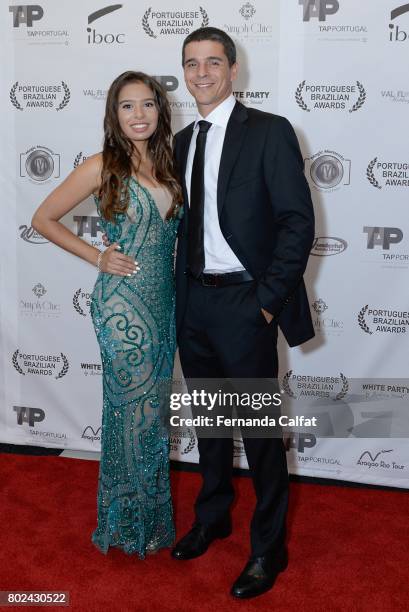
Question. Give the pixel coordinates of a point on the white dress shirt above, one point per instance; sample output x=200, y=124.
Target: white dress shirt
x=219, y=258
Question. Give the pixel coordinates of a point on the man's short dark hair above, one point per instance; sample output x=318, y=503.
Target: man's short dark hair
x=217, y=36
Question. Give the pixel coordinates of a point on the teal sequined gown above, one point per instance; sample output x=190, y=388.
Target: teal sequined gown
x=135, y=327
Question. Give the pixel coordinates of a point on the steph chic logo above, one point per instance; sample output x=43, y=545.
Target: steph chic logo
x=319, y=306
x=247, y=11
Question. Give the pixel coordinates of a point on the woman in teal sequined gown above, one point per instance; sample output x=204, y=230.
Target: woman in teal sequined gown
x=134, y=323
x=138, y=199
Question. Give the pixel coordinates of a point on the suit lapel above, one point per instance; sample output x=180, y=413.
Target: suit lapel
x=184, y=151
x=233, y=140
x=183, y=155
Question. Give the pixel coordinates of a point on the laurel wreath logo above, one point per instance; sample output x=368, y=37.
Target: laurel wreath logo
x=192, y=442
x=148, y=30
x=344, y=389
x=361, y=98
x=361, y=320
x=205, y=21
x=66, y=98
x=13, y=98
x=65, y=367
x=286, y=384
x=145, y=23
x=370, y=175
x=299, y=99
x=77, y=159
x=76, y=303
x=63, y=372
x=15, y=362
x=339, y=395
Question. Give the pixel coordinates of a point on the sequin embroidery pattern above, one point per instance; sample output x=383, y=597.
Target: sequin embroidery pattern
x=134, y=321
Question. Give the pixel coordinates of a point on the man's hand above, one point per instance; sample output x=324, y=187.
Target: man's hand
x=267, y=315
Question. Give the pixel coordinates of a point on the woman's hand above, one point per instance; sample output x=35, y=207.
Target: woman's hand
x=112, y=261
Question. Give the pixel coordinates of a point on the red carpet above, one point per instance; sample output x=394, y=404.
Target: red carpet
x=348, y=547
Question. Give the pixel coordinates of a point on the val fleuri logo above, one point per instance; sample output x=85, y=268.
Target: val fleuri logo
x=100, y=36
x=397, y=33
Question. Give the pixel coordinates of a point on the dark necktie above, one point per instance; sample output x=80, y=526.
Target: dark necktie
x=196, y=259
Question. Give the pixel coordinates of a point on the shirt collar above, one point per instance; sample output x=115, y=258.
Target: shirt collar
x=219, y=115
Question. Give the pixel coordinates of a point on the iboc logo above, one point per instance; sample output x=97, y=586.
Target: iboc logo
x=383, y=320
x=318, y=8
x=97, y=38
x=397, y=34
x=328, y=170
x=40, y=164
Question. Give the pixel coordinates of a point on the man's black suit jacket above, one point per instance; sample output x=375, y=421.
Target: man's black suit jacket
x=265, y=214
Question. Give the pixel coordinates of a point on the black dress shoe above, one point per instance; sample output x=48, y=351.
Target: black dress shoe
x=259, y=575
x=199, y=538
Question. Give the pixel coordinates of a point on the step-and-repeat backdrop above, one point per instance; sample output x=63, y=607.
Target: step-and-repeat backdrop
x=337, y=69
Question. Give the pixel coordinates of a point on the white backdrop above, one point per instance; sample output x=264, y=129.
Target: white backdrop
x=337, y=70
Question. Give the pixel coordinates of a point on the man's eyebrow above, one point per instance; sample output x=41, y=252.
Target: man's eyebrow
x=211, y=57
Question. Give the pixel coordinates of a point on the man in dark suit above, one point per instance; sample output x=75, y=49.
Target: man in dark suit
x=243, y=247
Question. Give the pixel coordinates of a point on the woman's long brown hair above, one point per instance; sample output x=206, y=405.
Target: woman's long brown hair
x=117, y=166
